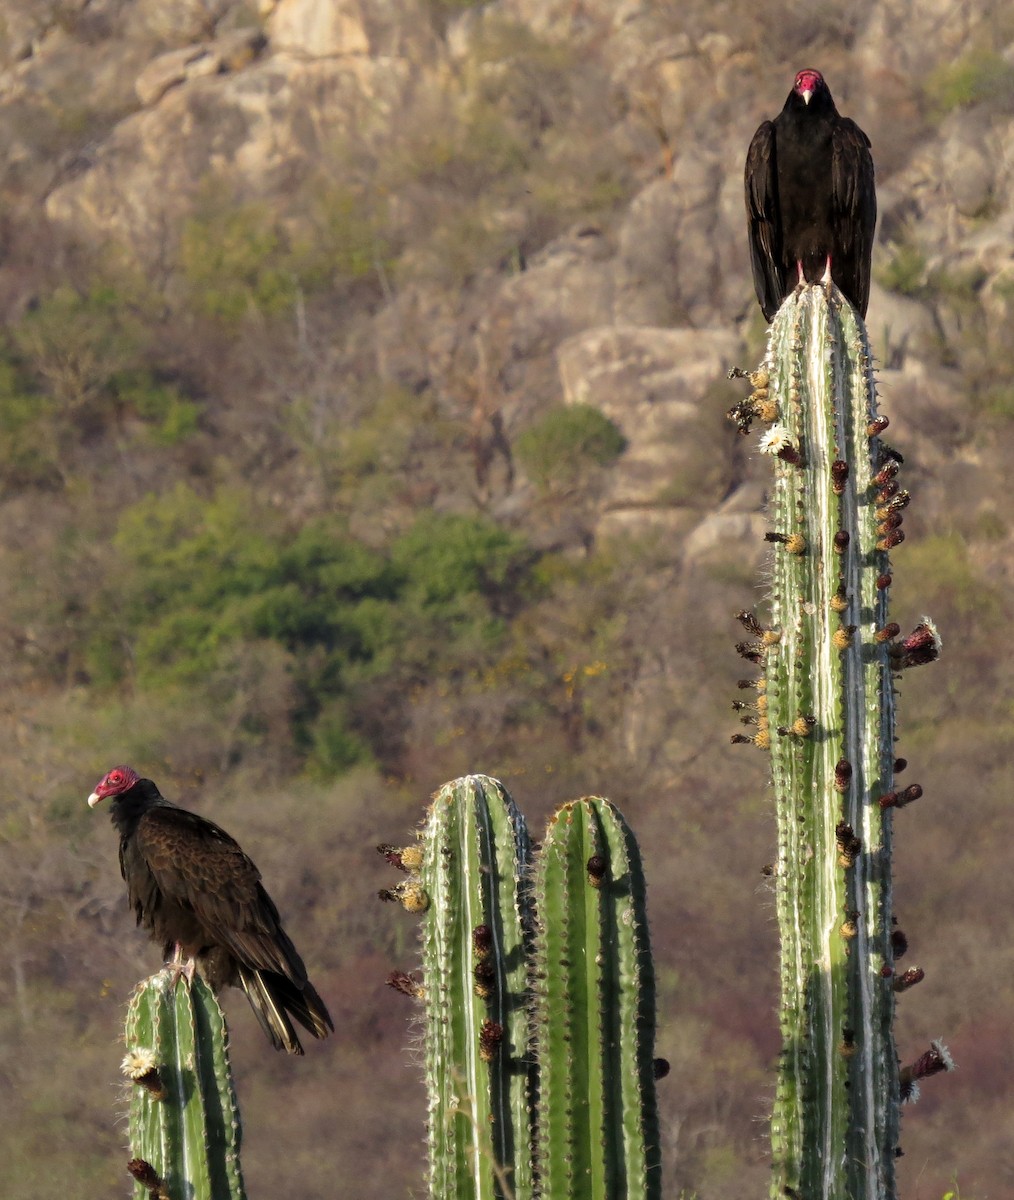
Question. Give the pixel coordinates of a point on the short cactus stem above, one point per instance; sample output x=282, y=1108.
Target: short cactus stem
x=184, y=1121
x=539, y=1001
x=594, y=1011
x=836, y=1120
x=475, y=932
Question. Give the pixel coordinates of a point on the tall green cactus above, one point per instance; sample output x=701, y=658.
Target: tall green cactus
x=184, y=1122
x=539, y=998
x=825, y=710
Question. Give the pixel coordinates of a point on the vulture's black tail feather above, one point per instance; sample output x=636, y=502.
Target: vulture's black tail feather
x=274, y=998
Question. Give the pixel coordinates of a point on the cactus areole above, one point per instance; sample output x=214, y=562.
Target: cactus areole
x=811, y=202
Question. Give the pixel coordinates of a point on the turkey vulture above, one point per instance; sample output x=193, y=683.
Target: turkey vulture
x=198, y=894
x=810, y=199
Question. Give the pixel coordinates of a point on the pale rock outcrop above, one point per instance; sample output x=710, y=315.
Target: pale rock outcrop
x=231, y=52
x=253, y=128
x=567, y=286
x=318, y=30
x=653, y=385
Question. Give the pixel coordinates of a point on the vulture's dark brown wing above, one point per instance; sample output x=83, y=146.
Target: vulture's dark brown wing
x=190, y=882
x=199, y=867
x=854, y=197
x=764, y=220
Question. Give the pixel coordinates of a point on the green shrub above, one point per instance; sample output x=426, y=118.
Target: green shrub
x=76, y=345
x=235, y=260
x=28, y=447
x=202, y=579
x=980, y=76
x=170, y=417
x=905, y=272
x=566, y=444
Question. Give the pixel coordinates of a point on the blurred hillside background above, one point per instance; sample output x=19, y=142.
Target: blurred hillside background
x=362, y=394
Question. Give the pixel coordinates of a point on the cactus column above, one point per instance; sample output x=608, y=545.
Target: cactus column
x=539, y=1000
x=828, y=715
x=184, y=1122
x=474, y=856
x=594, y=1010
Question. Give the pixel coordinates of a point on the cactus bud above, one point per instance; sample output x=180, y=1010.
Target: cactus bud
x=908, y=979
x=921, y=646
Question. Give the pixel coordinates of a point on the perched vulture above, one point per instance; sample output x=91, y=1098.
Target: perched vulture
x=811, y=201
x=201, y=898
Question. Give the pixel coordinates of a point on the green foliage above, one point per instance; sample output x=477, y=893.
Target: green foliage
x=565, y=445
x=446, y=557
x=334, y=747
x=28, y=440
x=345, y=241
x=77, y=362
x=234, y=259
x=444, y=11
x=980, y=76
x=170, y=417
x=241, y=259
x=77, y=343
x=202, y=578
x=905, y=272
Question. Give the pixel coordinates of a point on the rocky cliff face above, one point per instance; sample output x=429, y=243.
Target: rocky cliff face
x=167, y=97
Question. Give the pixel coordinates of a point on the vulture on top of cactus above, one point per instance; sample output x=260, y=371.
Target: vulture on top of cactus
x=811, y=200
x=196, y=892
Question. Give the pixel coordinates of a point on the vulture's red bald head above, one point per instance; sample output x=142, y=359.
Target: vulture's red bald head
x=113, y=783
x=808, y=83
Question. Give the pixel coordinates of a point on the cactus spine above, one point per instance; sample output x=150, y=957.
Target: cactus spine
x=827, y=714
x=539, y=1000
x=184, y=1122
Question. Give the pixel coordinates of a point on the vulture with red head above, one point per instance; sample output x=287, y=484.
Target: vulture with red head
x=811, y=200
x=201, y=898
